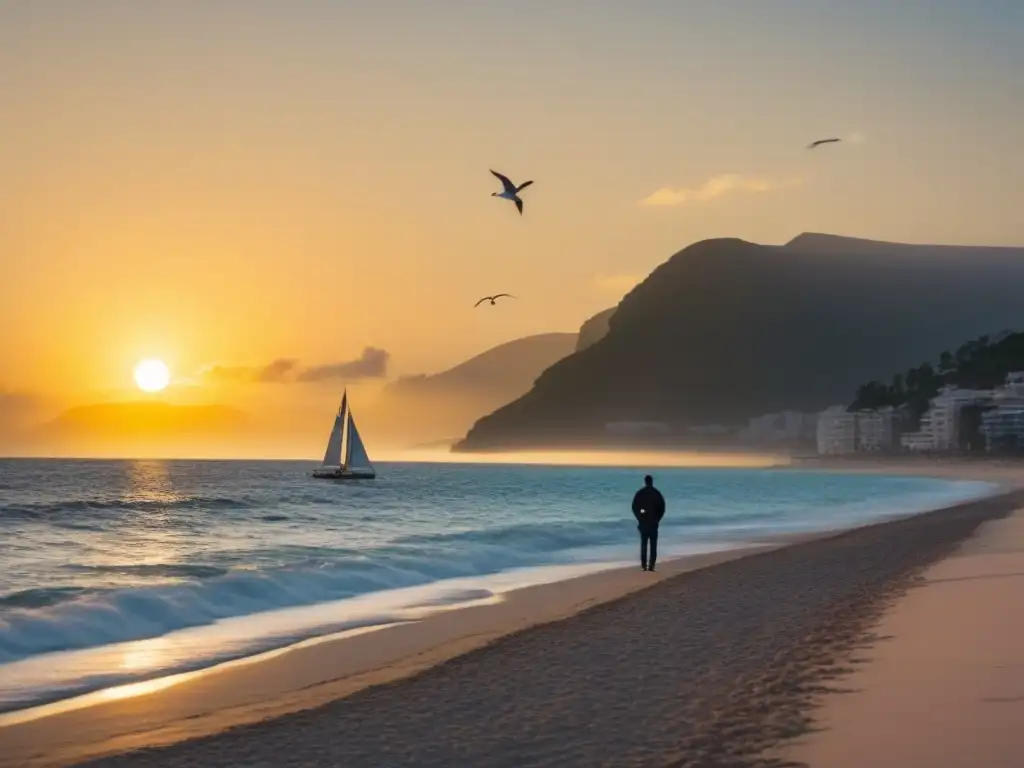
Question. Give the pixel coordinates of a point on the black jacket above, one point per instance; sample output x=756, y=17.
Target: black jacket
x=648, y=507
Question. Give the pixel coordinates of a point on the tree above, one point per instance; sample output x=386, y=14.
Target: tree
x=913, y=380
x=979, y=364
x=870, y=396
x=897, y=390
x=926, y=375
x=946, y=362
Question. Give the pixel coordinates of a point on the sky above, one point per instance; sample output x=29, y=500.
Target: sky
x=230, y=183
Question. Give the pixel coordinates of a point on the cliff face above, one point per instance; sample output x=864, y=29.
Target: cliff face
x=726, y=329
x=594, y=329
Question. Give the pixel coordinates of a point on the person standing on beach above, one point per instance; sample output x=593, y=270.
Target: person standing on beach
x=648, y=509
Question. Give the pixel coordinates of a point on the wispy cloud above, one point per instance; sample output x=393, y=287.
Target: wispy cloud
x=715, y=187
x=616, y=284
x=857, y=137
x=273, y=372
x=372, y=364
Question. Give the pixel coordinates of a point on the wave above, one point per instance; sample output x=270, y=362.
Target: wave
x=42, y=597
x=166, y=570
x=112, y=616
x=561, y=535
x=37, y=621
x=46, y=510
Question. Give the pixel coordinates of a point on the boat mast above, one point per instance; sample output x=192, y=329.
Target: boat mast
x=345, y=448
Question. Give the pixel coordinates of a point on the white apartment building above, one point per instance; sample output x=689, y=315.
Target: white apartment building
x=876, y=430
x=1004, y=424
x=943, y=417
x=1014, y=387
x=836, y=431
x=917, y=442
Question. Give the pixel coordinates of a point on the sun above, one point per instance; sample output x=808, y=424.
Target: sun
x=152, y=375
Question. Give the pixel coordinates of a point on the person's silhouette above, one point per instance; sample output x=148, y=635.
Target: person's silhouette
x=648, y=509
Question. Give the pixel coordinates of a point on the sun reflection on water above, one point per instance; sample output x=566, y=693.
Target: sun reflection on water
x=149, y=482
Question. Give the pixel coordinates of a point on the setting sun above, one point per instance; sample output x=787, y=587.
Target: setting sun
x=152, y=375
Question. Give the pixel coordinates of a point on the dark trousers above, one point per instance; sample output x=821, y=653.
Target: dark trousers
x=648, y=539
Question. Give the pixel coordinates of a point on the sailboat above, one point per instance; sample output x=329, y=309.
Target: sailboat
x=345, y=458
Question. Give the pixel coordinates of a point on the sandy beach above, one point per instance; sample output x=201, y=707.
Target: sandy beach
x=944, y=685
x=720, y=659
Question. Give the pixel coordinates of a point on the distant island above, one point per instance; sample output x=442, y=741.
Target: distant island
x=436, y=409
x=728, y=330
x=429, y=407
x=142, y=429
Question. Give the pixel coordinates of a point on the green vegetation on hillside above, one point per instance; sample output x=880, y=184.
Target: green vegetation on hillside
x=979, y=364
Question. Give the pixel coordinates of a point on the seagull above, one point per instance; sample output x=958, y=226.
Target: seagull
x=819, y=142
x=493, y=299
x=511, y=191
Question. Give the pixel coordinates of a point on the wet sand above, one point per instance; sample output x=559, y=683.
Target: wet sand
x=707, y=668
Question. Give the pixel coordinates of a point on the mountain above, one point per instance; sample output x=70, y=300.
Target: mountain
x=429, y=408
x=143, y=428
x=726, y=329
x=835, y=245
x=595, y=329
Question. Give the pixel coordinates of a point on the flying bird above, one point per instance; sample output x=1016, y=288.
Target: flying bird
x=511, y=191
x=819, y=142
x=493, y=299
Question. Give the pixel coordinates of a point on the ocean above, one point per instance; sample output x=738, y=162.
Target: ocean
x=117, y=571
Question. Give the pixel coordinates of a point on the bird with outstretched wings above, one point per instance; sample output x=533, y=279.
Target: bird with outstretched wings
x=493, y=299
x=509, y=190
x=819, y=142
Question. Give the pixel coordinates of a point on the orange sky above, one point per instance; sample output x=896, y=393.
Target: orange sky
x=238, y=182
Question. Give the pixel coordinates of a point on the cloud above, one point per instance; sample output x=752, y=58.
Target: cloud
x=715, y=187
x=276, y=370
x=617, y=284
x=857, y=137
x=373, y=363
x=273, y=372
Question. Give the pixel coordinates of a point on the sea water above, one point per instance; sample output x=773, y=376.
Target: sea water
x=116, y=571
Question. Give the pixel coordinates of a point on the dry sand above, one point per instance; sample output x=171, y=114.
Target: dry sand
x=945, y=687
x=708, y=668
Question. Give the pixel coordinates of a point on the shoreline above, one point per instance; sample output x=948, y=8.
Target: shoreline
x=315, y=671
x=752, y=639
x=310, y=673
x=63, y=680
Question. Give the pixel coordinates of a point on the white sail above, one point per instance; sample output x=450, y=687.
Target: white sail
x=356, y=457
x=332, y=457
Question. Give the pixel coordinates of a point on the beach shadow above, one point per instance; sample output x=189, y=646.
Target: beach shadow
x=979, y=577
x=1003, y=699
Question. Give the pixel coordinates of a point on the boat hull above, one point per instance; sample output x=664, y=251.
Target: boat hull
x=343, y=474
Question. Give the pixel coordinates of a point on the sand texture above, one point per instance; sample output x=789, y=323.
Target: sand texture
x=945, y=684
x=709, y=668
